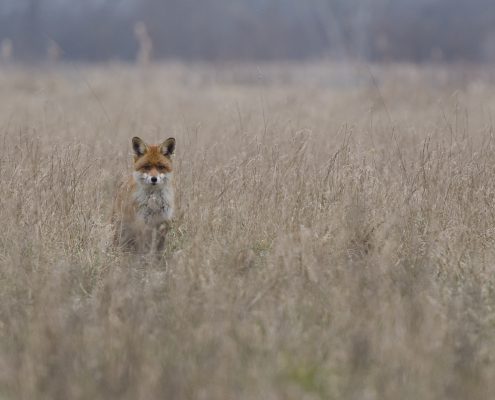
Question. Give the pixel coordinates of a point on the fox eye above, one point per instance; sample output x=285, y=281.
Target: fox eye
x=161, y=167
x=147, y=167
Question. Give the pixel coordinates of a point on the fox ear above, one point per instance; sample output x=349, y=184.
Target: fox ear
x=168, y=147
x=139, y=146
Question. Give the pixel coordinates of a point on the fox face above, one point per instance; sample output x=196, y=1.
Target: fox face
x=152, y=163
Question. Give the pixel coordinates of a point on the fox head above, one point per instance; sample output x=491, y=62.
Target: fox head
x=153, y=163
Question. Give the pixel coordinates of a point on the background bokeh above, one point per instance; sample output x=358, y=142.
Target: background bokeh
x=378, y=30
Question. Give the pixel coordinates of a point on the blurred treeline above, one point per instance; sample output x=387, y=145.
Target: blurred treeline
x=410, y=30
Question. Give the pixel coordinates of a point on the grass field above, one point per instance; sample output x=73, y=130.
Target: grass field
x=334, y=239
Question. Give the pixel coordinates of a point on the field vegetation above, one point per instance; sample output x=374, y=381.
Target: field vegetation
x=334, y=237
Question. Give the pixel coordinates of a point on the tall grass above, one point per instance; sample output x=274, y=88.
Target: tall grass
x=335, y=235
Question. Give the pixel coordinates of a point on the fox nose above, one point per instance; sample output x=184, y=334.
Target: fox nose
x=154, y=179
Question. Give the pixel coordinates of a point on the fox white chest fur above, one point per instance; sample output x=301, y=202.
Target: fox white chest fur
x=155, y=205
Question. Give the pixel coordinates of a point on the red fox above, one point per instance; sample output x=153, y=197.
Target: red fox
x=144, y=205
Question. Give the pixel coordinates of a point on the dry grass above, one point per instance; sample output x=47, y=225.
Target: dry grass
x=335, y=236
